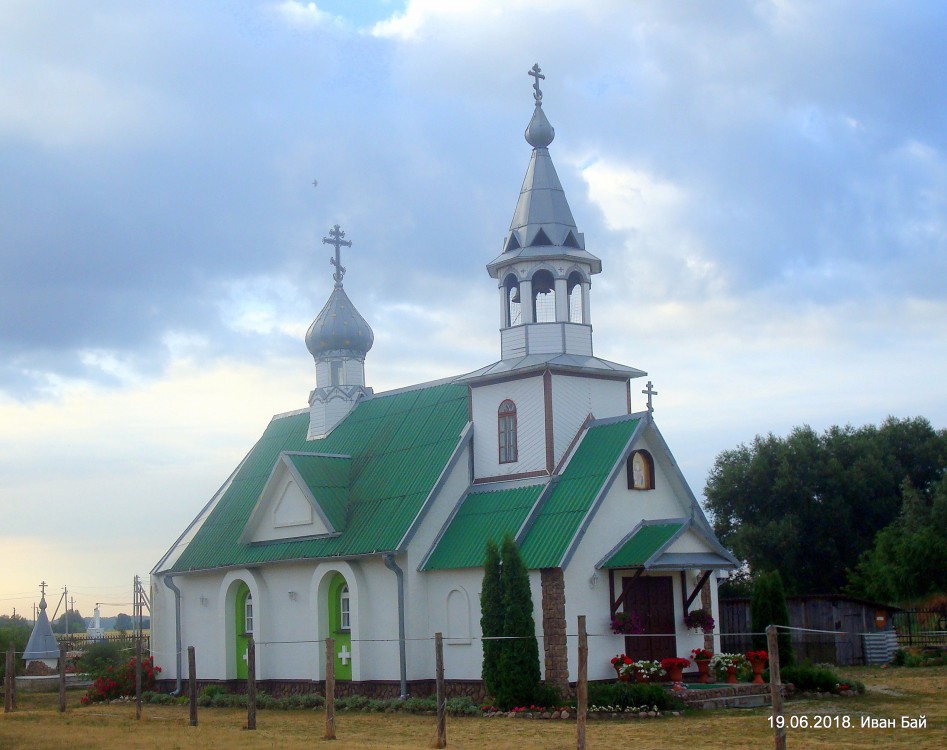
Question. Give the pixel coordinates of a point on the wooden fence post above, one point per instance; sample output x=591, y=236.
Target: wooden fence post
x=192, y=683
x=13, y=676
x=62, y=678
x=776, y=689
x=138, y=678
x=440, y=740
x=9, y=680
x=330, y=689
x=251, y=683
x=582, y=686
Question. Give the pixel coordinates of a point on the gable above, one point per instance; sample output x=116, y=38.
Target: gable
x=399, y=443
x=305, y=496
x=671, y=544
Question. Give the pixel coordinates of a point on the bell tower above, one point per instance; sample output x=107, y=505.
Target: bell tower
x=338, y=339
x=544, y=272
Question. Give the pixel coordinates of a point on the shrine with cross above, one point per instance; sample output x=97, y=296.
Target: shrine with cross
x=364, y=516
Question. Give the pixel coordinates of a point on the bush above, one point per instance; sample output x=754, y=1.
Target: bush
x=462, y=706
x=116, y=682
x=812, y=677
x=768, y=607
x=632, y=695
x=99, y=656
x=547, y=696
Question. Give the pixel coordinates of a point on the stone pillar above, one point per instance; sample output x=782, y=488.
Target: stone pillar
x=555, y=649
x=705, y=602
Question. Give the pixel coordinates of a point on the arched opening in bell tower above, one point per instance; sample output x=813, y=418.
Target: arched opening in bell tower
x=575, y=291
x=512, y=312
x=544, y=297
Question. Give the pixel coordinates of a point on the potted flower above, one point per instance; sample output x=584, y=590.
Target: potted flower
x=627, y=623
x=646, y=670
x=675, y=667
x=619, y=662
x=702, y=657
x=728, y=663
x=700, y=619
x=757, y=660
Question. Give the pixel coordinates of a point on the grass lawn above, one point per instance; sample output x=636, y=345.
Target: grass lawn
x=892, y=693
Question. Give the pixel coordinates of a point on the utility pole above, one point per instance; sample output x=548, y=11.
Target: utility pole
x=65, y=600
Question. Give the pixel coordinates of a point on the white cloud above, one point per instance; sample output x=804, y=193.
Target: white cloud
x=304, y=15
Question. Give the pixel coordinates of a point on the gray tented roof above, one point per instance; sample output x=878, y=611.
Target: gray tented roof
x=42, y=643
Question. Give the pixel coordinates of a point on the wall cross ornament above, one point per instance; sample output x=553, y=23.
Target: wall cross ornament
x=337, y=238
x=344, y=655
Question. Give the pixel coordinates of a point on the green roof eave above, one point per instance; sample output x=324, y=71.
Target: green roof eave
x=647, y=539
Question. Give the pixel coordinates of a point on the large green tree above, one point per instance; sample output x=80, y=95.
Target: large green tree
x=491, y=617
x=909, y=558
x=809, y=505
x=76, y=622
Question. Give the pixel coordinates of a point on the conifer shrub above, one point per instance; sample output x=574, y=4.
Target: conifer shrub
x=768, y=607
x=519, y=651
x=491, y=617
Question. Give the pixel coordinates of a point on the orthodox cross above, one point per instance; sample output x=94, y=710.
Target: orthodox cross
x=336, y=238
x=650, y=392
x=344, y=655
x=42, y=589
x=536, y=74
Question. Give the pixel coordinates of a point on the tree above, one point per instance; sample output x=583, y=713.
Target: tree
x=519, y=652
x=491, y=617
x=809, y=505
x=124, y=622
x=909, y=558
x=76, y=622
x=768, y=607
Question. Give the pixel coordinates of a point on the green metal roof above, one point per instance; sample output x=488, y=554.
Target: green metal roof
x=327, y=478
x=562, y=514
x=482, y=516
x=399, y=444
x=642, y=545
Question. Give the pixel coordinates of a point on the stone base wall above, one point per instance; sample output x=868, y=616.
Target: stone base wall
x=378, y=689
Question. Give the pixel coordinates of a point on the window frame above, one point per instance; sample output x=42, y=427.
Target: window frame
x=508, y=448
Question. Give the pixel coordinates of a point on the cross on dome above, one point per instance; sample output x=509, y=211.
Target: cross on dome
x=335, y=238
x=536, y=73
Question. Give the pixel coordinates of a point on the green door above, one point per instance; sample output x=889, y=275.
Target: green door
x=340, y=626
x=243, y=621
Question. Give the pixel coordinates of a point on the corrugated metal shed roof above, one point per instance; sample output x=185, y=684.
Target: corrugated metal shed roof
x=481, y=517
x=561, y=516
x=642, y=545
x=399, y=445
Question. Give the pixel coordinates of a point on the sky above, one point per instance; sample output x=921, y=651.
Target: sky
x=765, y=182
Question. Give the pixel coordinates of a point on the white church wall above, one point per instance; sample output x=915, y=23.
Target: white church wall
x=620, y=511
x=527, y=394
x=419, y=604
x=574, y=398
x=463, y=656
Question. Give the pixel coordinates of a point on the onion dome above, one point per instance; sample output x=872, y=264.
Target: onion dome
x=339, y=328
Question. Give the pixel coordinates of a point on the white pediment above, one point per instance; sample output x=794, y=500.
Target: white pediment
x=286, y=509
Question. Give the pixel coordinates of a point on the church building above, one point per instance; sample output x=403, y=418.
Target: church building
x=365, y=516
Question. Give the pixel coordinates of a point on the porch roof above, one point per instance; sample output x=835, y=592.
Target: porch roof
x=647, y=546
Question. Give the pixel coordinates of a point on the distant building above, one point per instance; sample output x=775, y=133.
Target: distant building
x=365, y=516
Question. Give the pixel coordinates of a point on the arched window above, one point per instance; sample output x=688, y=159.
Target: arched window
x=248, y=614
x=640, y=471
x=345, y=612
x=544, y=297
x=513, y=314
x=506, y=427
x=574, y=289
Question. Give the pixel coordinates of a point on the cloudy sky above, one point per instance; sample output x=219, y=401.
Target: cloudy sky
x=765, y=182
